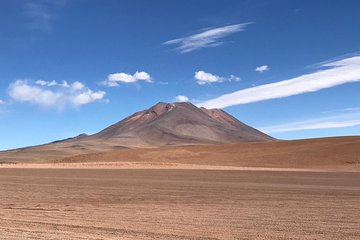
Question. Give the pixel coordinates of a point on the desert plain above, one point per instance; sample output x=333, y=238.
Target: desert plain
x=307, y=189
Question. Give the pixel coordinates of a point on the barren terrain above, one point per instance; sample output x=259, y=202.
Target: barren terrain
x=323, y=154
x=178, y=204
x=338, y=153
x=305, y=189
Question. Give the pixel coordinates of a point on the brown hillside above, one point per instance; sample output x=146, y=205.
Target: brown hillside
x=340, y=153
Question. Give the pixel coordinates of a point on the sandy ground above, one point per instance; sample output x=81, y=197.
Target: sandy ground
x=305, y=189
x=69, y=203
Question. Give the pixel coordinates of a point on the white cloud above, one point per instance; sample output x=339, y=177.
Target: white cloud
x=335, y=73
x=114, y=79
x=234, y=78
x=203, y=78
x=2, y=102
x=181, y=98
x=86, y=97
x=42, y=82
x=322, y=123
x=262, y=68
x=23, y=92
x=77, y=85
x=52, y=83
x=52, y=94
x=206, y=38
x=144, y=76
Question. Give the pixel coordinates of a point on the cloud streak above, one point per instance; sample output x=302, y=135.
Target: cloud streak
x=348, y=109
x=331, y=74
x=206, y=38
x=322, y=123
x=51, y=94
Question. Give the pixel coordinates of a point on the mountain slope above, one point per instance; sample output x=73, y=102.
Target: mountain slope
x=182, y=123
x=164, y=124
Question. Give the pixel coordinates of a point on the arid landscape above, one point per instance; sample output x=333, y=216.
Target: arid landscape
x=304, y=189
x=178, y=204
x=179, y=120
x=176, y=171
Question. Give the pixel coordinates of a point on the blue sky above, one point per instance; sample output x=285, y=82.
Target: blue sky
x=289, y=68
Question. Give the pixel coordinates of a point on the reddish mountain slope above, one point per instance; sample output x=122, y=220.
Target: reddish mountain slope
x=165, y=124
x=182, y=123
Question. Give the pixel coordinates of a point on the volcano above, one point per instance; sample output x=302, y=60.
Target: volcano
x=164, y=124
x=181, y=124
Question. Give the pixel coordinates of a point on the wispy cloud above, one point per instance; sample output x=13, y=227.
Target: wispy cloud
x=203, y=78
x=348, y=109
x=262, y=68
x=332, y=74
x=52, y=83
x=2, y=108
x=52, y=94
x=341, y=121
x=210, y=37
x=42, y=13
x=181, y=98
x=115, y=79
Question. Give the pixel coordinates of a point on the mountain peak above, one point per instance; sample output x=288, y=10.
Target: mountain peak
x=161, y=108
x=180, y=123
